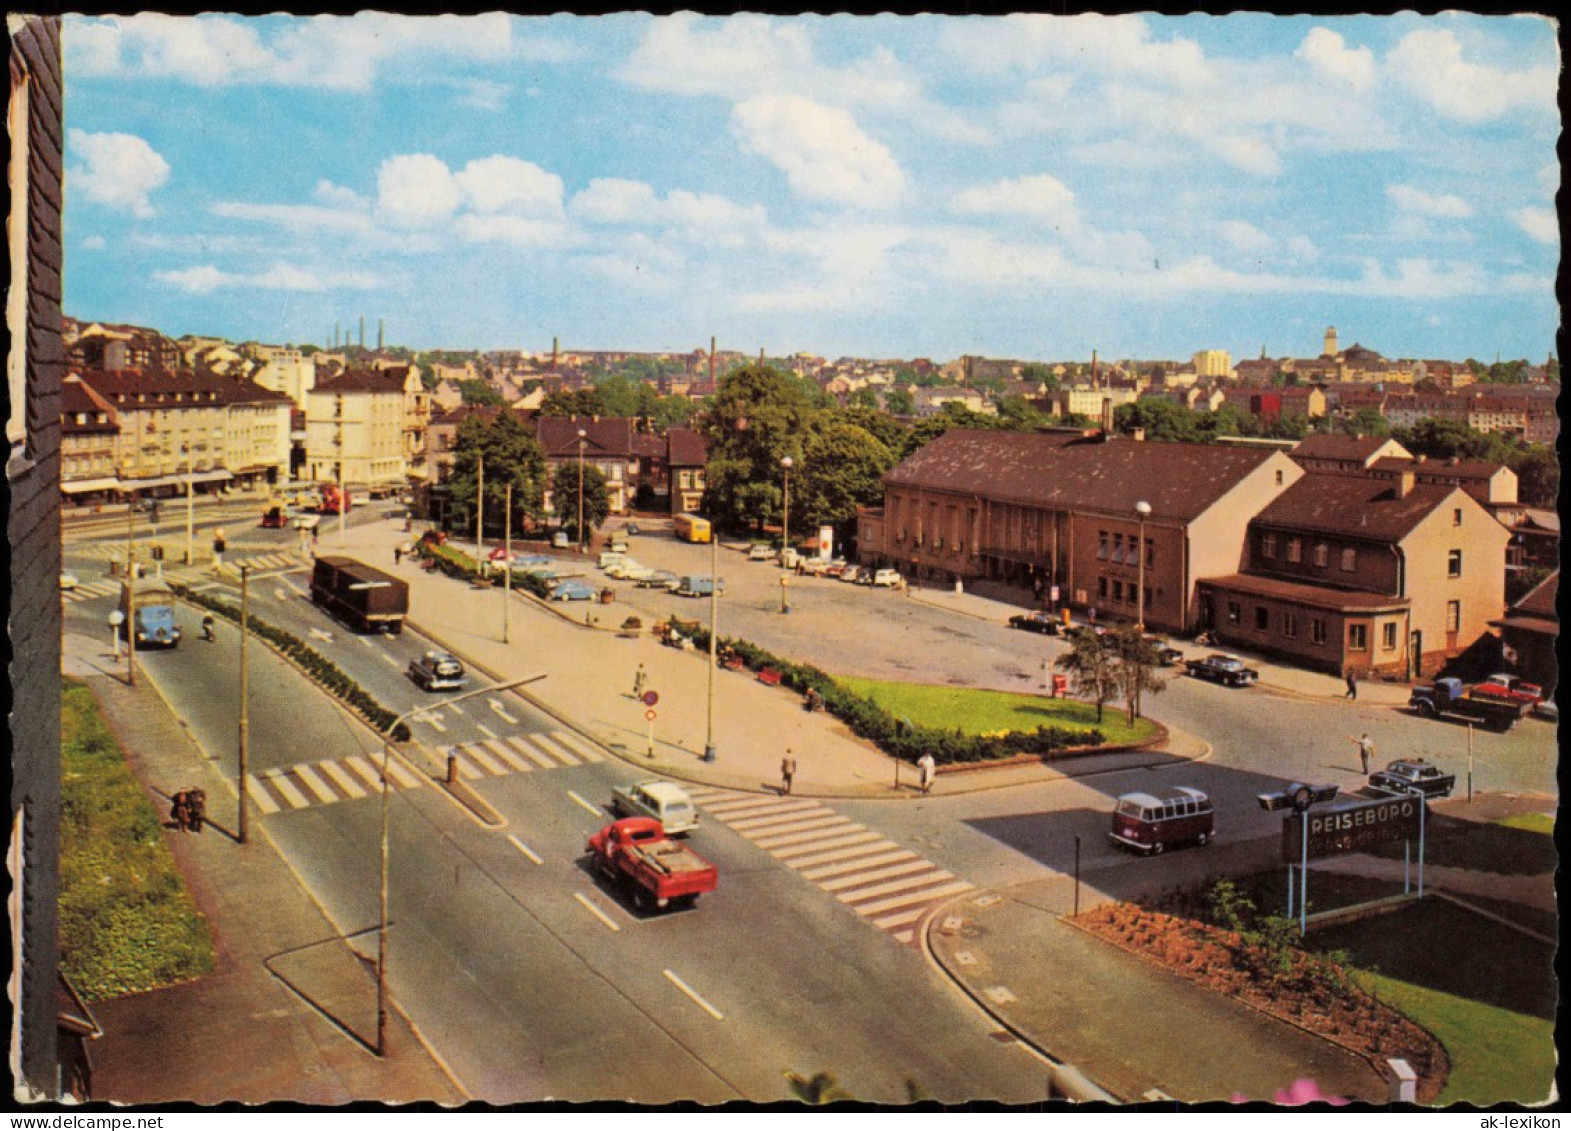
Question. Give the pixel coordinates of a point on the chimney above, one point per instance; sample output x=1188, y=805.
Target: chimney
x=380, y=324
x=1093, y=370
x=1405, y=484
x=1107, y=416
x=711, y=363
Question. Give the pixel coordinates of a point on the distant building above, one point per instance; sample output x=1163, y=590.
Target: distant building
x=356, y=427
x=1333, y=451
x=285, y=369
x=1213, y=364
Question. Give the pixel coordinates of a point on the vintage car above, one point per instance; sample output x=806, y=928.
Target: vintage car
x=660, y=579
x=438, y=671
x=1410, y=775
x=1221, y=668
x=1045, y=623
x=574, y=591
x=667, y=803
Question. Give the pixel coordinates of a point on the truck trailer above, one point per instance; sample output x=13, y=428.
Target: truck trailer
x=361, y=596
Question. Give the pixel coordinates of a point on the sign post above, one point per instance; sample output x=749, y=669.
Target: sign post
x=650, y=698
x=1308, y=834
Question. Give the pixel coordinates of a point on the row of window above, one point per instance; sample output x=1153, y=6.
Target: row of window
x=1357, y=633
x=1115, y=549
x=1118, y=592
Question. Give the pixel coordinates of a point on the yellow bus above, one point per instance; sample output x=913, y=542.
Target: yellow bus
x=691, y=528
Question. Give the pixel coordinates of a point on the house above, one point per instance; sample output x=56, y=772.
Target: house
x=112, y=346
x=1527, y=635
x=1360, y=572
x=601, y=442
x=1334, y=451
x=1489, y=483
x=89, y=435
x=687, y=456
x=358, y=429
x=1021, y=513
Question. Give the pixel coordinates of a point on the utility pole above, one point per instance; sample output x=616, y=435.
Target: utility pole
x=130, y=591
x=245, y=686
x=480, y=517
x=507, y=561
x=190, y=509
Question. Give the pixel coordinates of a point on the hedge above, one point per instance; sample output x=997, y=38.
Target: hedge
x=895, y=737
x=456, y=563
x=317, y=666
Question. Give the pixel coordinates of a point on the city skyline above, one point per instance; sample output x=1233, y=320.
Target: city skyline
x=1030, y=187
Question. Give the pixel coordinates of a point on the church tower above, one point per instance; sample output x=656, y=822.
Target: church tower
x=1330, y=350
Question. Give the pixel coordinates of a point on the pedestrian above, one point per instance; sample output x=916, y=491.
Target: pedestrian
x=197, y=808
x=1366, y=748
x=929, y=768
x=398, y=555
x=787, y=771
x=180, y=811
x=640, y=678
x=1352, y=684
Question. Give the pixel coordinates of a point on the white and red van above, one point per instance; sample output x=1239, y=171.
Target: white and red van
x=1151, y=822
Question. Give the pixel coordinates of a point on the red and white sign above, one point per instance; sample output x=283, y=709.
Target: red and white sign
x=650, y=714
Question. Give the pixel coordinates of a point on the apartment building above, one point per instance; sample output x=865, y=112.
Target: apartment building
x=284, y=369
x=356, y=427
x=1213, y=364
x=89, y=435
x=112, y=346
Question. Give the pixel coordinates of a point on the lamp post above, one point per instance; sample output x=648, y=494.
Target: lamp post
x=714, y=636
x=1143, y=509
x=130, y=591
x=245, y=723
x=381, y=934
x=582, y=437
x=190, y=508
x=786, y=463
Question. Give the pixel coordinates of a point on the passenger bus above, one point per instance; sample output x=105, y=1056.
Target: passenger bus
x=691, y=528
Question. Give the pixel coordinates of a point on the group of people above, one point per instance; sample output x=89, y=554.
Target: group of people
x=189, y=810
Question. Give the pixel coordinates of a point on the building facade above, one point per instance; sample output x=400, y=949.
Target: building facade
x=356, y=427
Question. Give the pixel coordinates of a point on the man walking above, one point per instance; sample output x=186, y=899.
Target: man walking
x=1352, y=685
x=1366, y=748
x=929, y=768
x=640, y=678
x=787, y=771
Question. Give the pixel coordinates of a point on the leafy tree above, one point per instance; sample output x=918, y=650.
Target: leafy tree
x=620, y=396
x=1288, y=426
x=1020, y=415
x=899, y=401
x=1136, y=663
x=1092, y=666
x=576, y=402
x=564, y=495
x=1036, y=371
x=924, y=432
x=841, y=469
x=512, y=456
x=1163, y=420
x=885, y=428
x=476, y=391
x=865, y=397
x=1366, y=421
x=758, y=416
x=1538, y=474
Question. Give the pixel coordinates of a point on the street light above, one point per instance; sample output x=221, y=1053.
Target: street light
x=786, y=463
x=381, y=935
x=582, y=435
x=1143, y=509
x=190, y=508
x=714, y=635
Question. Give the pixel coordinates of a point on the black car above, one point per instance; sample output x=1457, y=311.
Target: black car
x=1410, y=774
x=1044, y=623
x=1222, y=668
x=438, y=671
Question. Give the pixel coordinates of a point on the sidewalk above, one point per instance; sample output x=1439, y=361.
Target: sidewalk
x=248, y=1032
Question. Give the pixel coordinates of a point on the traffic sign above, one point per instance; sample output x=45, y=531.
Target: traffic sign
x=650, y=714
x=651, y=698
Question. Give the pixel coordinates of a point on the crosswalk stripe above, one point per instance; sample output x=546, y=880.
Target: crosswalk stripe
x=527, y=748
x=924, y=897
x=904, y=936
x=580, y=747
x=858, y=879
x=778, y=817
x=820, y=851
x=259, y=794
x=342, y=780
x=787, y=835
x=285, y=788
x=900, y=919
x=502, y=751
x=483, y=758
x=402, y=776
x=905, y=886
x=557, y=752
x=307, y=777
x=829, y=871
x=365, y=771
x=747, y=806
x=466, y=768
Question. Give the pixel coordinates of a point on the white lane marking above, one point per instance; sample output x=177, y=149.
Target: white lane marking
x=774, y=812
x=497, y=707
x=402, y=776
x=808, y=855
x=307, y=777
x=485, y=730
x=366, y=771
x=455, y=708
x=524, y=848
x=367, y=641
x=578, y=746
x=466, y=768
x=690, y=992
x=560, y=753
x=389, y=660
x=341, y=779
x=595, y=911
x=321, y=635
x=906, y=886
x=500, y=749
x=857, y=879
x=258, y=793
x=922, y=897
x=483, y=758
x=795, y=834
x=829, y=870
x=433, y=720
x=595, y=809
x=287, y=790
x=805, y=811
x=522, y=744
x=900, y=919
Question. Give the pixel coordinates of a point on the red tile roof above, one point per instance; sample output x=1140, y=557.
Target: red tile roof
x=1315, y=596
x=608, y=436
x=688, y=448
x=1335, y=445
x=1354, y=506
x=365, y=381
x=1440, y=469
x=1540, y=600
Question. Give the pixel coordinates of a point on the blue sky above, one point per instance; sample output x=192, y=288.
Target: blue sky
x=1033, y=187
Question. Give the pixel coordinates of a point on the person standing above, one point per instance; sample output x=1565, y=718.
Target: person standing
x=197, y=809
x=787, y=771
x=180, y=811
x=640, y=678
x=1352, y=685
x=929, y=768
x=1366, y=749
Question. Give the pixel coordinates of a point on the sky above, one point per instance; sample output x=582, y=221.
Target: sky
x=1031, y=187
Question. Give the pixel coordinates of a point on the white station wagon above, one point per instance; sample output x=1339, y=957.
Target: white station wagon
x=662, y=800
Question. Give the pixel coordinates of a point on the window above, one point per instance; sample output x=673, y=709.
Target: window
x=1235, y=612
x=1262, y=618
x=1349, y=560
x=1268, y=545
x=1357, y=637
x=1101, y=588
x=1290, y=625
x=1279, y=477
x=1322, y=554
x=1317, y=629
x=1101, y=545
x=1118, y=592
x=1150, y=554
x=1456, y=517
x=1454, y=563
x=1388, y=636
x=1118, y=548
x=1453, y=616
x=1295, y=550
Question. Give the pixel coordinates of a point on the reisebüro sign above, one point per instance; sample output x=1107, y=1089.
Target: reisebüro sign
x=1350, y=828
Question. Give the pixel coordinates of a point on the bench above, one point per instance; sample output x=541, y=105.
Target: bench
x=769, y=676
x=733, y=663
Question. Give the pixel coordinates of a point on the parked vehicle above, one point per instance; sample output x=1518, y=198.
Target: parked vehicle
x=758, y=552
x=574, y=591
x=68, y=581
x=438, y=671
x=609, y=557
x=699, y=585
x=1221, y=668
x=361, y=596
x=667, y=803
x=1045, y=623
x=1412, y=774
x=660, y=579
x=560, y=540
x=833, y=568
x=691, y=528
x=636, y=853
x=789, y=557
x=1151, y=822
x=628, y=570
x=1449, y=698
x=1510, y=687
x=886, y=579
x=850, y=573
x=617, y=544
x=335, y=501
x=275, y=515
x=1166, y=654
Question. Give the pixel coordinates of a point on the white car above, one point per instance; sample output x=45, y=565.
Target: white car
x=665, y=802
x=889, y=578
x=68, y=581
x=628, y=570
x=758, y=552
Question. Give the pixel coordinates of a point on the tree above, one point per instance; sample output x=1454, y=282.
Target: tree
x=1036, y=371
x=1538, y=474
x=885, y=428
x=512, y=456
x=1163, y=420
x=899, y=401
x=865, y=397
x=1366, y=421
x=476, y=391
x=1019, y=415
x=564, y=496
x=580, y=402
x=1136, y=663
x=1092, y=666
x=758, y=416
x=841, y=469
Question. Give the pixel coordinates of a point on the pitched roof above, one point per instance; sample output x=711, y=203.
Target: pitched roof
x=1335, y=445
x=688, y=447
x=1449, y=469
x=77, y=396
x=1540, y=600
x=1316, y=596
x=160, y=388
x=1056, y=469
x=390, y=380
x=1355, y=506
x=558, y=435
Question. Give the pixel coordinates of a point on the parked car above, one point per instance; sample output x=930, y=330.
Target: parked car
x=850, y=573
x=1512, y=687
x=1045, y=623
x=833, y=568
x=1221, y=668
x=438, y=671
x=1166, y=654
x=560, y=540
x=574, y=591
x=628, y=570
x=660, y=579
x=886, y=579
x=667, y=803
x=758, y=552
x=68, y=581
x=1409, y=774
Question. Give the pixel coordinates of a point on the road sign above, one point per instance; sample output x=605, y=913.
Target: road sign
x=650, y=714
x=1351, y=828
x=651, y=698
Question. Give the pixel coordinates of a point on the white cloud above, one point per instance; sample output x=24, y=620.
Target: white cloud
x=1421, y=203
x=1328, y=55
x=1302, y=249
x=516, y=231
x=1429, y=63
x=614, y=200
x=822, y=151
x=1088, y=42
x=119, y=171
x=94, y=243
x=1040, y=197
x=1542, y=224
x=416, y=190
x=1245, y=237
x=337, y=196
x=304, y=218
x=279, y=277
x=507, y=184
x=484, y=94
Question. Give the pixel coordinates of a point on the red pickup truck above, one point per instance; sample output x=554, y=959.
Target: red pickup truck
x=660, y=871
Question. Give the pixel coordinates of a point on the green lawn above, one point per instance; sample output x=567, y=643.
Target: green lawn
x=127, y=923
x=976, y=711
x=1532, y=822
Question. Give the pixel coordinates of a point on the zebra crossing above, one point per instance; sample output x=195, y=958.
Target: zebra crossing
x=89, y=590
x=109, y=586
x=308, y=784
x=889, y=886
